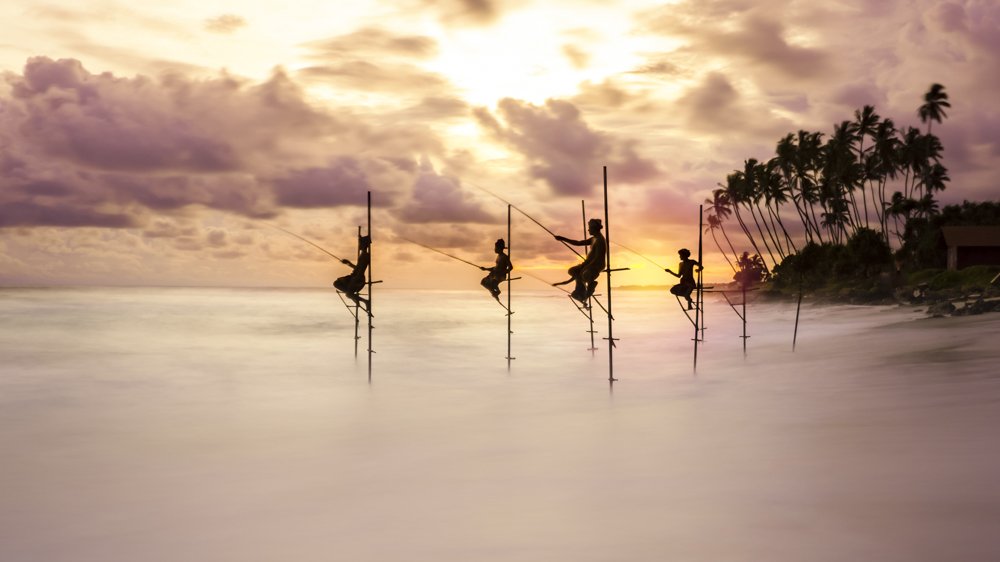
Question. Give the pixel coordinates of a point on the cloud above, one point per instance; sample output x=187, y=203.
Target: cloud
x=744, y=31
x=382, y=76
x=226, y=23
x=459, y=12
x=561, y=149
x=85, y=149
x=716, y=106
x=576, y=56
x=373, y=41
x=342, y=182
x=440, y=199
x=605, y=94
x=28, y=213
x=436, y=108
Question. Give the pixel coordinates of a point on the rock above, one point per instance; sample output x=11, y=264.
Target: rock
x=944, y=308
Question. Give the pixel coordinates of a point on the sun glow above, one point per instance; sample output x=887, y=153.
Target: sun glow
x=524, y=56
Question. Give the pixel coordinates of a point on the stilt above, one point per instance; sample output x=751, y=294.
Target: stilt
x=798, y=307
x=371, y=283
x=608, y=270
x=357, y=308
x=743, y=314
x=589, y=310
x=744, y=318
x=510, y=252
x=698, y=292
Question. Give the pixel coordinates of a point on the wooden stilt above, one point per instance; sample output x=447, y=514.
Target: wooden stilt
x=510, y=253
x=608, y=270
x=698, y=293
x=371, y=299
x=798, y=307
x=357, y=308
x=588, y=312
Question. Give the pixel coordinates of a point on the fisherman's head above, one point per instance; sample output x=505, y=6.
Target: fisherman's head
x=364, y=241
x=684, y=253
x=594, y=225
x=499, y=246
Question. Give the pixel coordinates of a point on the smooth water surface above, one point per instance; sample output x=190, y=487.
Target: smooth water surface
x=237, y=425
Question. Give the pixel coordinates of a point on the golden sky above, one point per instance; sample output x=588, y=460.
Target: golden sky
x=154, y=144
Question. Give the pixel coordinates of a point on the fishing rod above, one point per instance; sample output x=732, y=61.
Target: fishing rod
x=443, y=253
x=307, y=241
x=638, y=254
x=529, y=217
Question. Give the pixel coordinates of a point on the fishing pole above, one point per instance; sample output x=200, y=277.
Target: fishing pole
x=477, y=266
x=537, y=278
x=529, y=217
x=307, y=241
x=638, y=254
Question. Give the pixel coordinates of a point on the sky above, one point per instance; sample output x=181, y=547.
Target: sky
x=161, y=144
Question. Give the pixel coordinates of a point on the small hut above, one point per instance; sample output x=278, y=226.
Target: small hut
x=972, y=245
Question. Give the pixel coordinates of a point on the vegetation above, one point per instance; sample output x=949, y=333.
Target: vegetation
x=867, y=175
x=845, y=215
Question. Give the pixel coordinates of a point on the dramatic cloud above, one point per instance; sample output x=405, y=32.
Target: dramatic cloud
x=439, y=199
x=83, y=149
x=562, y=150
x=753, y=36
x=342, y=182
x=226, y=23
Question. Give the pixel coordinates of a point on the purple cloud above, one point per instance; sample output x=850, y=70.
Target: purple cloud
x=342, y=182
x=77, y=142
x=440, y=199
x=562, y=150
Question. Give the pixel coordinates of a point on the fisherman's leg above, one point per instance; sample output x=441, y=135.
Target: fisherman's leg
x=579, y=291
x=687, y=295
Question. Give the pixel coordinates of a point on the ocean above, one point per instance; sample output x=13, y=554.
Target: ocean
x=183, y=424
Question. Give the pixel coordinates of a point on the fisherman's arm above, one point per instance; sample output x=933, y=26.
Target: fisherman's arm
x=586, y=242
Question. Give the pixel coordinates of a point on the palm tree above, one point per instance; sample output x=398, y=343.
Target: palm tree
x=776, y=193
x=785, y=152
x=722, y=207
x=865, y=124
x=735, y=188
x=715, y=223
x=752, y=197
x=935, y=100
x=841, y=166
x=885, y=166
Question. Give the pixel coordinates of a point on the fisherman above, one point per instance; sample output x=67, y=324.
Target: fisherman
x=498, y=272
x=586, y=273
x=352, y=283
x=686, y=273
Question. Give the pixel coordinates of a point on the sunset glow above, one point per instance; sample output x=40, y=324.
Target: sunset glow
x=155, y=144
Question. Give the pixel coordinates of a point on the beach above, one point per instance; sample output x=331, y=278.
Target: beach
x=237, y=424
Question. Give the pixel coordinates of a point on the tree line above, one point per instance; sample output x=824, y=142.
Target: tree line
x=867, y=178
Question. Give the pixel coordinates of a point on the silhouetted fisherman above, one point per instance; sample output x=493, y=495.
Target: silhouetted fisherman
x=686, y=273
x=352, y=283
x=586, y=273
x=498, y=273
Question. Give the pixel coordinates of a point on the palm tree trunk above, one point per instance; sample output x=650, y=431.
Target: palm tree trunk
x=721, y=251
x=761, y=231
x=746, y=231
